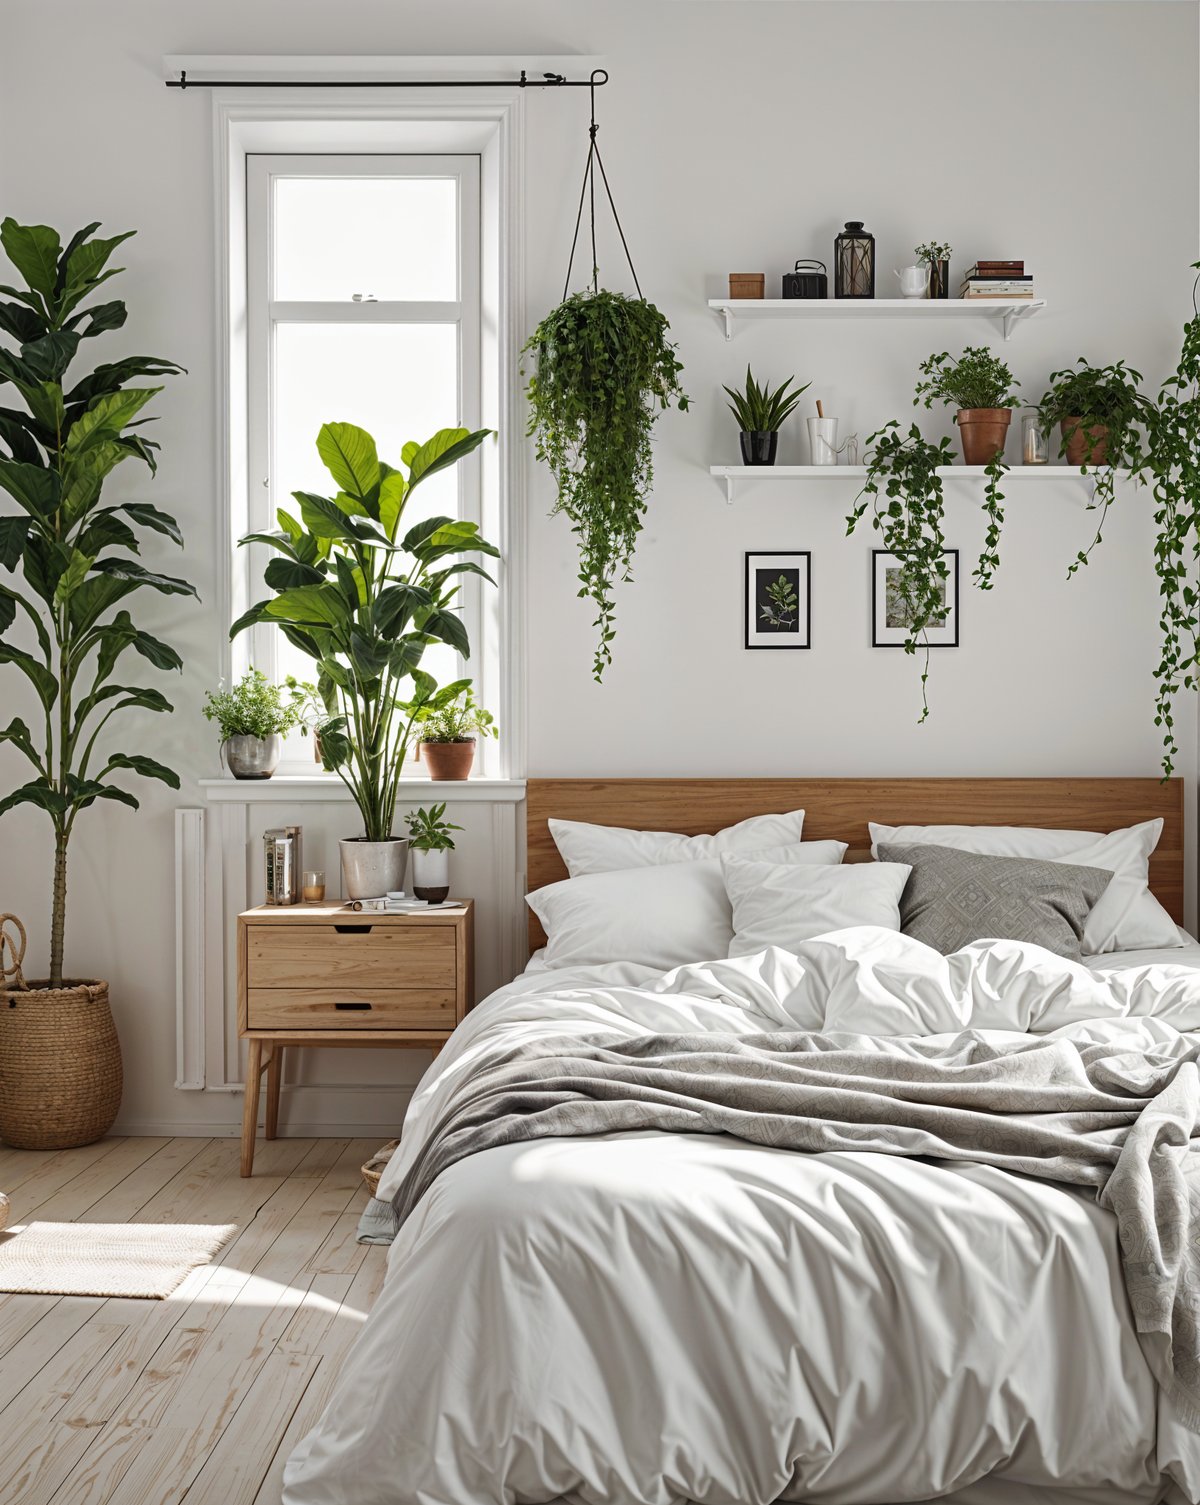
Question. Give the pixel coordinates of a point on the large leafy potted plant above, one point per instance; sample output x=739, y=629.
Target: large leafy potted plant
x=604, y=370
x=61, y=629
x=364, y=600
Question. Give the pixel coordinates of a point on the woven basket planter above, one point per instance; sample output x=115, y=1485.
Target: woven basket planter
x=60, y=1066
x=372, y=1171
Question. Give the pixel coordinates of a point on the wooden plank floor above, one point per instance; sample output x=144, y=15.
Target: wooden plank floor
x=202, y=1396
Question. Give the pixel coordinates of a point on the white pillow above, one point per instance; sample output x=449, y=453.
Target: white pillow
x=778, y=905
x=606, y=849
x=1127, y=916
x=661, y=916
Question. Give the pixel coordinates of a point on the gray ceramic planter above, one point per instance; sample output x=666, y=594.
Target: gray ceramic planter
x=252, y=757
x=371, y=869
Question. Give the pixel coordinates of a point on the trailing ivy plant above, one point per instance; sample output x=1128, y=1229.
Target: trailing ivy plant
x=1108, y=406
x=75, y=555
x=1173, y=460
x=976, y=379
x=603, y=371
x=903, y=492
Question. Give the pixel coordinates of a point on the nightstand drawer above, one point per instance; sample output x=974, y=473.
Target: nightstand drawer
x=362, y=956
x=349, y=1007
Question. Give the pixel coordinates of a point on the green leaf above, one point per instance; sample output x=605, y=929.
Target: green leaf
x=94, y=597
x=88, y=260
x=24, y=324
x=47, y=358
x=108, y=415
x=395, y=606
x=392, y=491
x=446, y=448
x=19, y=735
x=34, y=487
x=13, y=533
x=417, y=535
x=311, y=603
x=72, y=577
x=284, y=574
x=15, y=432
x=256, y=614
x=409, y=450
x=8, y=609
x=101, y=318
x=34, y=251
x=88, y=791
x=147, y=767
x=37, y=793
x=448, y=628
x=112, y=376
x=151, y=517
x=38, y=675
x=350, y=456
x=323, y=518
x=126, y=569
x=369, y=656
x=335, y=744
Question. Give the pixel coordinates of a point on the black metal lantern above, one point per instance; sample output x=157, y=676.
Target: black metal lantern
x=854, y=262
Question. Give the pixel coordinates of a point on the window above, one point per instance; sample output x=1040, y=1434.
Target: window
x=363, y=305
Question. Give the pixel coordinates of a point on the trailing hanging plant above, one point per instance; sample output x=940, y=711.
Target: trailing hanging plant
x=1174, y=462
x=976, y=380
x=74, y=554
x=604, y=371
x=1100, y=413
x=908, y=515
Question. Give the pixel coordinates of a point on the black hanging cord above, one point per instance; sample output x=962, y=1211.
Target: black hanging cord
x=547, y=81
x=588, y=191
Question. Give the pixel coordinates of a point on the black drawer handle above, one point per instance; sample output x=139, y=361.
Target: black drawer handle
x=352, y=1005
x=354, y=929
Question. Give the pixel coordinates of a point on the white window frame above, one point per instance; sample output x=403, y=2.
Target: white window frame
x=361, y=123
x=265, y=312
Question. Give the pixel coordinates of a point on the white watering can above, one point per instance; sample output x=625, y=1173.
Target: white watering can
x=914, y=281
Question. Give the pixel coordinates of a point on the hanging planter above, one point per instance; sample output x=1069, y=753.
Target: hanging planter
x=604, y=370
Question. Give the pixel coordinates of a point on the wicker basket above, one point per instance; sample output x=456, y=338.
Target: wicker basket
x=375, y=1167
x=60, y=1065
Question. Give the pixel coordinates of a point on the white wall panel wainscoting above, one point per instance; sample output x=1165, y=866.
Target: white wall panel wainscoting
x=219, y=872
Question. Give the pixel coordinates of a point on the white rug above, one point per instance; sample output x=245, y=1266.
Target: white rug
x=106, y=1259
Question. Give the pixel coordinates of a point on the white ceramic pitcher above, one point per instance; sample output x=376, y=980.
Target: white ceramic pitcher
x=914, y=281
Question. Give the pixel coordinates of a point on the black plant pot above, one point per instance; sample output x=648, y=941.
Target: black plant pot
x=939, y=279
x=759, y=446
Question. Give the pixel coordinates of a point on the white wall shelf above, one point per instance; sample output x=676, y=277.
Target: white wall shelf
x=1010, y=311
x=731, y=475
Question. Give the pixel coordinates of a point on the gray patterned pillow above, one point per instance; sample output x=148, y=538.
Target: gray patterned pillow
x=954, y=897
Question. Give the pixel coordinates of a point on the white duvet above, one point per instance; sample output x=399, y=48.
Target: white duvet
x=661, y=1319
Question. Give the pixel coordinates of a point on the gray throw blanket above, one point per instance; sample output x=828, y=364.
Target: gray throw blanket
x=1125, y=1122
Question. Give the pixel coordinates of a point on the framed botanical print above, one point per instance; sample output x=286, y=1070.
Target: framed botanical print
x=890, y=620
x=778, y=609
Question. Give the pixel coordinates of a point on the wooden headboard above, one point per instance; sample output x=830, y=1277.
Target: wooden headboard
x=841, y=808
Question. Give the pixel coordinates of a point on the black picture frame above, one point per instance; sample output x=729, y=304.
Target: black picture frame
x=796, y=566
x=884, y=636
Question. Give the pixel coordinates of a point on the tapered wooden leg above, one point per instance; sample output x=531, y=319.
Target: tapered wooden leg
x=250, y=1105
x=274, y=1080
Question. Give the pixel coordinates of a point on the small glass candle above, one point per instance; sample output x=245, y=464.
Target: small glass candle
x=314, y=887
x=1035, y=442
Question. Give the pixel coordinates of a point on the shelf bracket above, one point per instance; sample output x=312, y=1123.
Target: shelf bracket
x=1012, y=317
x=728, y=490
x=727, y=315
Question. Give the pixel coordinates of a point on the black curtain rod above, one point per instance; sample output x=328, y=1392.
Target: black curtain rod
x=547, y=81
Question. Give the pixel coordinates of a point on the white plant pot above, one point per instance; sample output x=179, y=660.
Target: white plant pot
x=372, y=869
x=430, y=875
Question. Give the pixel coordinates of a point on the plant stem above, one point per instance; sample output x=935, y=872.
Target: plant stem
x=59, y=909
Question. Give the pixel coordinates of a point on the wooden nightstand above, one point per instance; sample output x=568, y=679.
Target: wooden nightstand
x=319, y=974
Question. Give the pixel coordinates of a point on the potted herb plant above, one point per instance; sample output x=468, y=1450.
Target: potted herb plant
x=604, y=371
x=760, y=414
x=75, y=555
x=253, y=717
x=981, y=387
x=364, y=598
x=430, y=842
x=936, y=257
x=449, y=733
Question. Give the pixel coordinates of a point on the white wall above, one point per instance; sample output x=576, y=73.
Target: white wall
x=737, y=137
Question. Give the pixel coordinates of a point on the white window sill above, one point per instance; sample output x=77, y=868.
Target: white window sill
x=290, y=789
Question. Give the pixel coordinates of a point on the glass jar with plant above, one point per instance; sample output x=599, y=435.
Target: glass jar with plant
x=903, y=492
x=760, y=414
x=1100, y=414
x=449, y=733
x=253, y=717
x=430, y=842
x=604, y=371
x=364, y=599
x=61, y=439
x=936, y=256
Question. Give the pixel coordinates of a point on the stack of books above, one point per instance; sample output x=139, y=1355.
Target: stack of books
x=998, y=279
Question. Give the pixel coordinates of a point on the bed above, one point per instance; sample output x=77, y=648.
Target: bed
x=672, y=1317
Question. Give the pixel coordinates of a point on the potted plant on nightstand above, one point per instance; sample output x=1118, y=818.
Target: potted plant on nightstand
x=760, y=414
x=430, y=842
x=60, y=1060
x=449, y=733
x=253, y=718
x=364, y=599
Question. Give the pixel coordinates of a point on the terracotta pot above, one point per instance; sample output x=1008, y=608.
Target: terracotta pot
x=60, y=1065
x=1085, y=446
x=983, y=431
x=448, y=760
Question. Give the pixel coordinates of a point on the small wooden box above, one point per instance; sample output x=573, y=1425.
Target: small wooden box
x=320, y=974
x=747, y=284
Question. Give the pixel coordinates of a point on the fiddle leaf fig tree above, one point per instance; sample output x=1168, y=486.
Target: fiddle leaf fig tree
x=364, y=598
x=61, y=438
